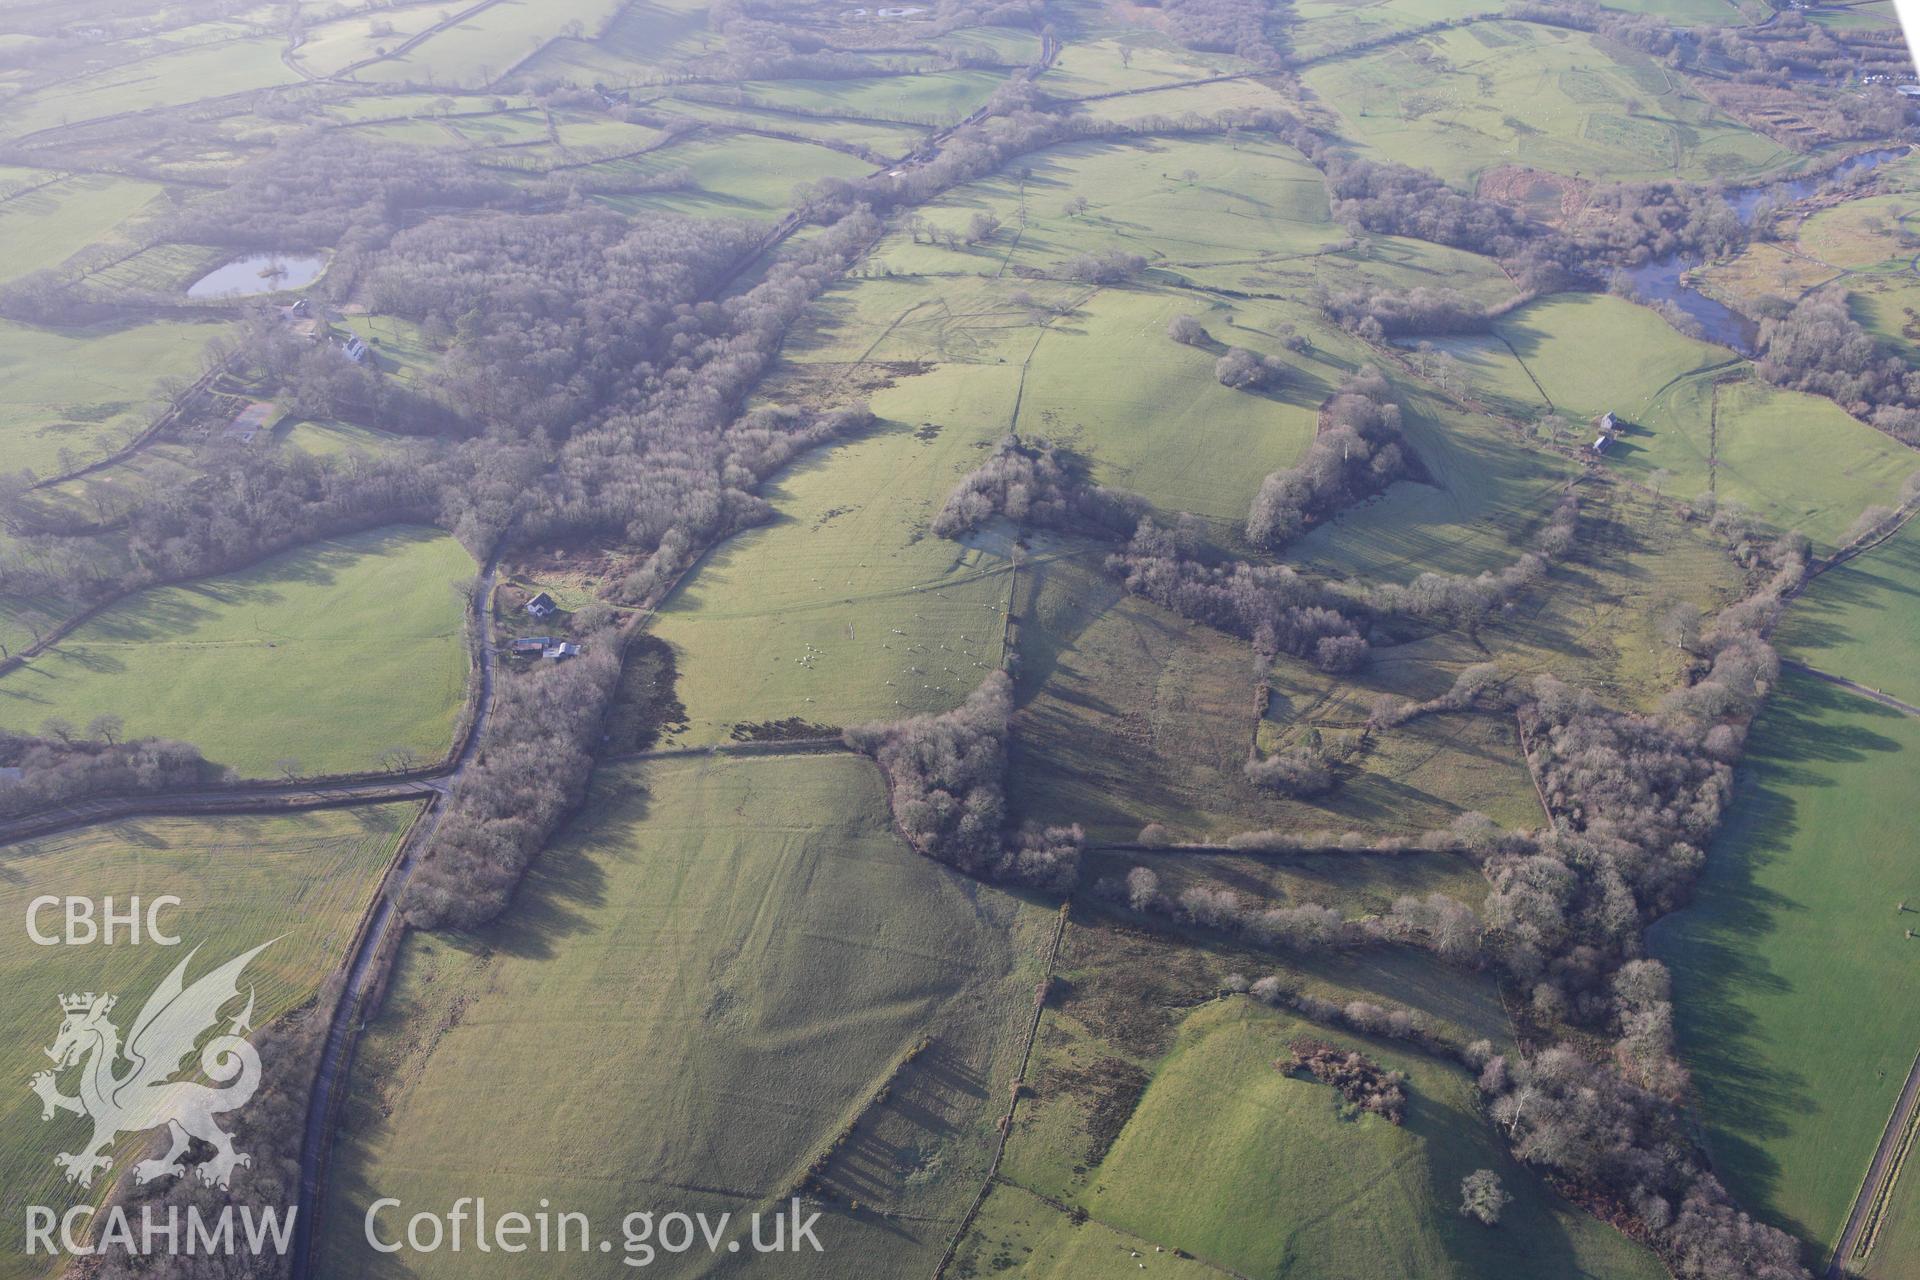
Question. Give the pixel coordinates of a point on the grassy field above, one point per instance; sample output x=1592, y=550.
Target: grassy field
x=1323, y=27
x=1247, y=1166
x=1461, y=101
x=163, y=80
x=1698, y=421
x=845, y=609
x=86, y=392
x=302, y=879
x=939, y=97
x=329, y=655
x=480, y=49
x=642, y=37
x=705, y=980
x=736, y=177
x=883, y=139
x=44, y=227
x=1781, y=964
x=1857, y=620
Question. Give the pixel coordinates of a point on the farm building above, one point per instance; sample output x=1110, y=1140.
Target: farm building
x=249, y=422
x=528, y=646
x=542, y=606
x=1601, y=442
x=562, y=651
x=1609, y=423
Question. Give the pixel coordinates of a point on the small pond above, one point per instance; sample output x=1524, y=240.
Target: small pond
x=259, y=273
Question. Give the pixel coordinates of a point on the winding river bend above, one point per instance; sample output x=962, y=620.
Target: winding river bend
x=1662, y=281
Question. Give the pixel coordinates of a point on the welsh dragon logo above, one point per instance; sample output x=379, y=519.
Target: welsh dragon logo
x=143, y=1096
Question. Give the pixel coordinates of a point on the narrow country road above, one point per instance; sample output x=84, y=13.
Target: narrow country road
x=336, y=1055
x=1884, y=699
x=1877, y=1172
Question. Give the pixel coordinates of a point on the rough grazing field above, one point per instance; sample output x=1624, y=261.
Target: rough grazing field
x=1783, y=965
x=1201, y=1145
x=328, y=655
x=303, y=879
x=694, y=992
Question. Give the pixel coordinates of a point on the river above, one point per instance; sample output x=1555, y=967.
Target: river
x=1661, y=281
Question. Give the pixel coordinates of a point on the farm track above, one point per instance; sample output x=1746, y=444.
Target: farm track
x=1884, y=699
x=1884, y=1158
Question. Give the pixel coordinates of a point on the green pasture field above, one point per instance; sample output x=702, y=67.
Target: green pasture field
x=1327, y=28
x=43, y=228
x=846, y=609
x=1254, y=1171
x=1869, y=15
x=1100, y=67
x=332, y=439
x=500, y=128
x=937, y=97
x=1010, y=46
x=475, y=52
x=739, y=176
x=1795, y=460
x=1857, y=620
x=1176, y=101
x=303, y=879
x=1687, y=13
x=328, y=48
x=329, y=654
x=1782, y=964
x=642, y=38
x=163, y=80
x=1202, y=447
x=1889, y=307
x=730, y=958
x=880, y=138
x=1485, y=489
x=87, y=391
x=1246, y=200
x=591, y=134
x=1460, y=101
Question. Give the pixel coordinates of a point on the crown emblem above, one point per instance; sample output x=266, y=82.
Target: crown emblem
x=80, y=1003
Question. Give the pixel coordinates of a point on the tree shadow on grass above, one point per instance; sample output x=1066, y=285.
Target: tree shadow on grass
x=1721, y=949
x=567, y=881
